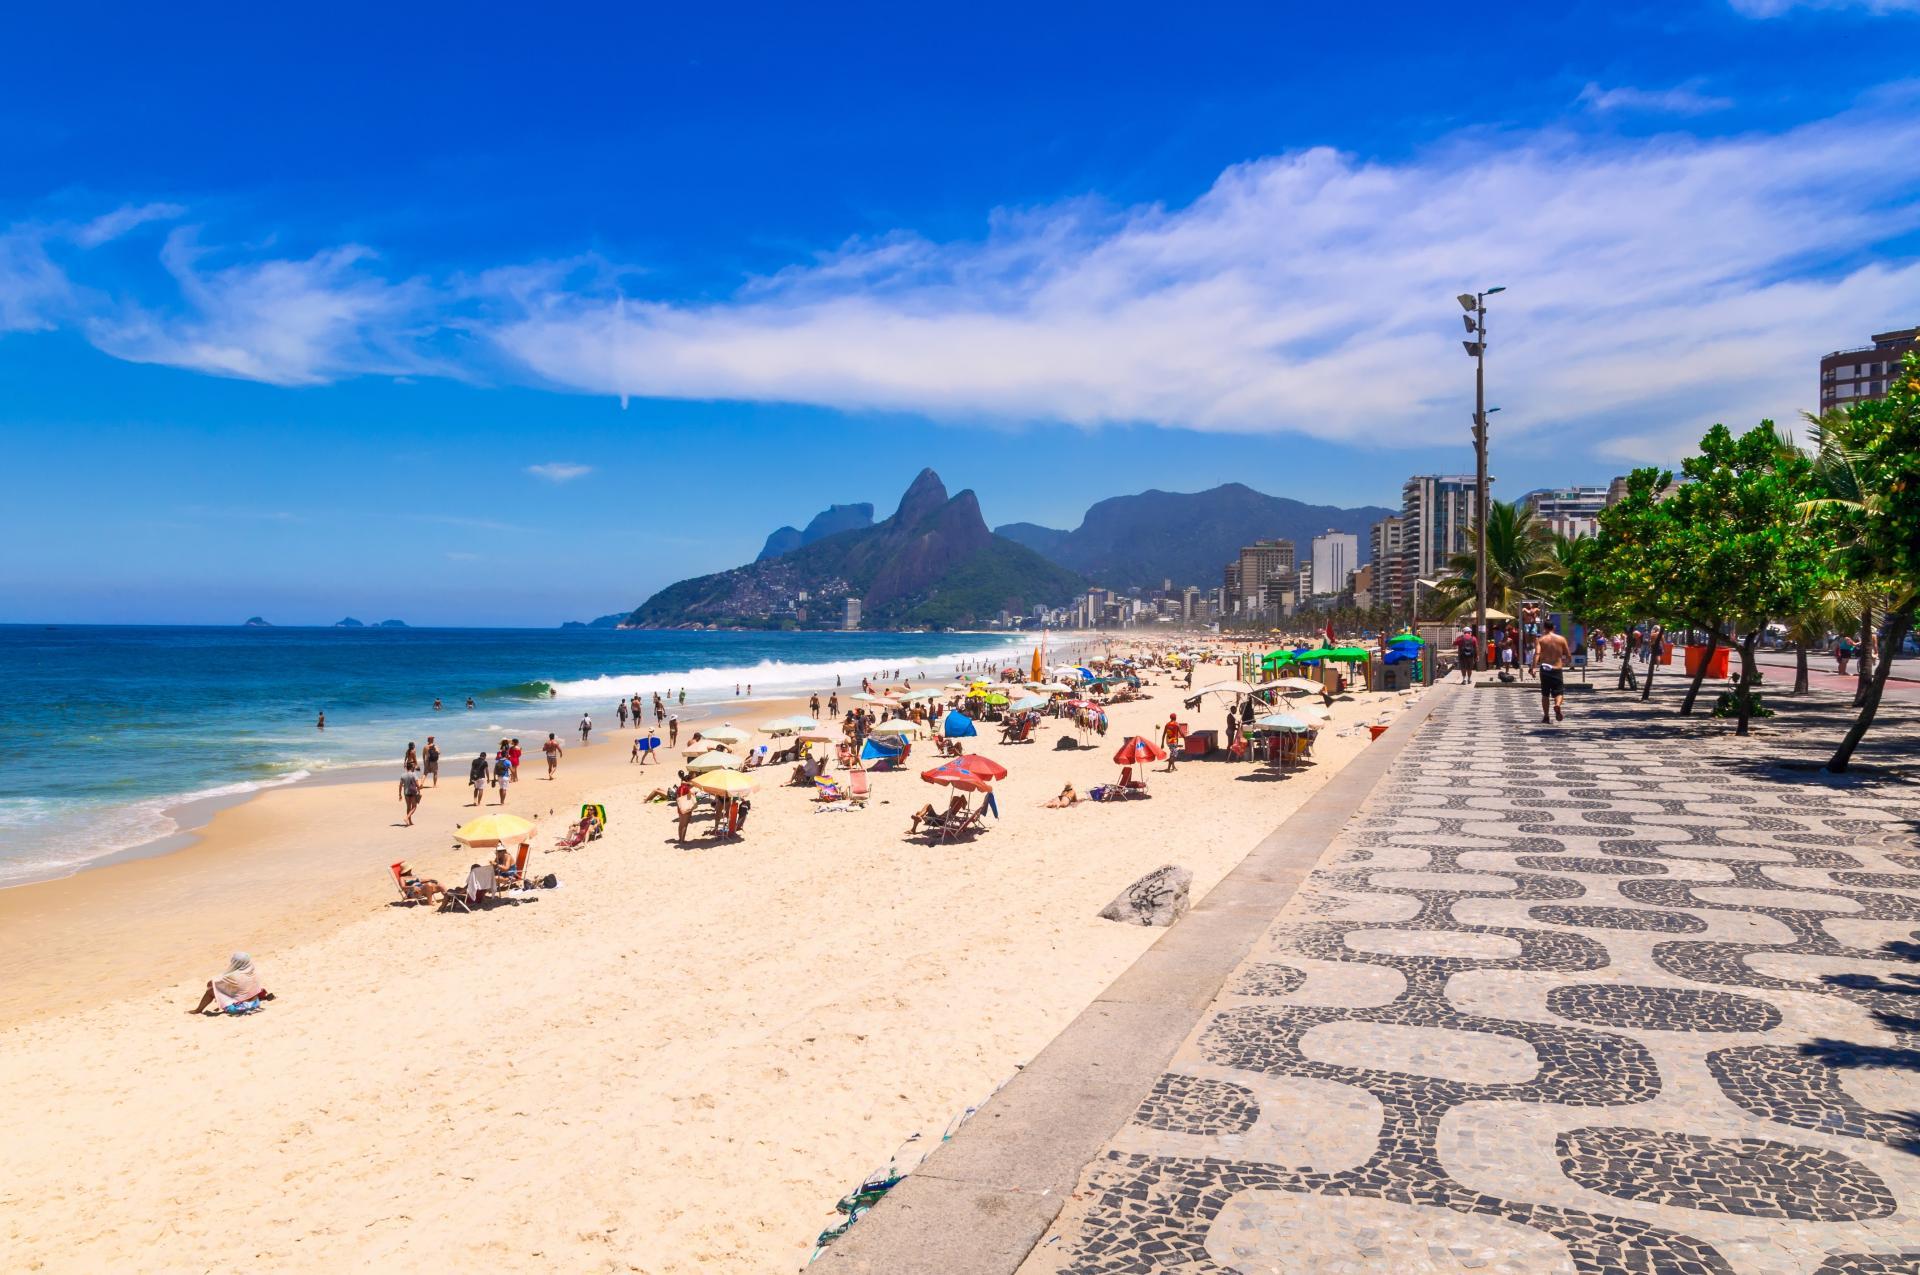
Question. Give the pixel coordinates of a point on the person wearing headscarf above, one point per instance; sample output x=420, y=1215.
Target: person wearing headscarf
x=240, y=984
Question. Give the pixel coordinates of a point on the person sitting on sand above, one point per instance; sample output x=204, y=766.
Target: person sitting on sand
x=932, y=818
x=240, y=985
x=1067, y=797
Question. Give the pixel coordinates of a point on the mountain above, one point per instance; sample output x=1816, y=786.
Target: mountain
x=932, y=563
x=830, y=521
x=1186, y=537
x=348, y=623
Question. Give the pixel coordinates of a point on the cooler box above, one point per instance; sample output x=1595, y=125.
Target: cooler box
x=1696, y=655
x=1198, y=743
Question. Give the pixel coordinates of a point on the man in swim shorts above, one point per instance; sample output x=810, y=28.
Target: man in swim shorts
x=1554, y=658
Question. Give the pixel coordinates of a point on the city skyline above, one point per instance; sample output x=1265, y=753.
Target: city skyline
x=522, y=329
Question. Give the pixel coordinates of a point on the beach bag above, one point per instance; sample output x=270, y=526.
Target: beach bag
x=549, y=882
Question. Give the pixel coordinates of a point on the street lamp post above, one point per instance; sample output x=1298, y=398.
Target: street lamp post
x=1475, y=305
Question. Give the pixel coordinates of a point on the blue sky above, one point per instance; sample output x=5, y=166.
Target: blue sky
x=467, y=314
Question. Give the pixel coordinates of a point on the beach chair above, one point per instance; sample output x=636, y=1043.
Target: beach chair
x=857, y=790
x=515, y=877
x=962, y=827
x=411, y=894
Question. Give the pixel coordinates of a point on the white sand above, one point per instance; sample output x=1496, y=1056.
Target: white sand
x=674, y=1063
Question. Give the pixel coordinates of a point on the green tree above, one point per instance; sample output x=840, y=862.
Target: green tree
x=1869, y=490
x=1750, y=553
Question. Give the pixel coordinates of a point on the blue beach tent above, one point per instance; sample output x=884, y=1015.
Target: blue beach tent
x=957, y=726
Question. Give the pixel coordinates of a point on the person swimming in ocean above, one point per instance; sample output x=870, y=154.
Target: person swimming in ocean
x=469, y=701
x=322, y=723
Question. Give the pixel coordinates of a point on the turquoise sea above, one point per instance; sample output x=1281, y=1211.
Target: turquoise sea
x=107, y=728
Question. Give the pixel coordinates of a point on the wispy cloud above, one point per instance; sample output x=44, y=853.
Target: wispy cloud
x=560, y=471
x=286, y=321
x=34, y=291
x=1778, y=8
x=1682, y=99
x=1655, y=285
x=110, y=226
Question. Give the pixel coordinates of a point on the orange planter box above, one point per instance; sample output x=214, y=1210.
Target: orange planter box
x=1697, y=654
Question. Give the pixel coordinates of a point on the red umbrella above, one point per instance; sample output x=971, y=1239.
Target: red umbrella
x=1137, y=751
x=985, y=767
x=957, y=777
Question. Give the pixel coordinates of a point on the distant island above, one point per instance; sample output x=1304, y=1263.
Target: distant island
x=391, y=624
x=351, y=623
x=348, y=623
x=255, y=622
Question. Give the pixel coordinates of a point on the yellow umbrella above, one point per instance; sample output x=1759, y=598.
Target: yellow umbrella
x=715, y=760
x=494, y=829
x=725, y=783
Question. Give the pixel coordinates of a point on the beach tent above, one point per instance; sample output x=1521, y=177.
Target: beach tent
x=877, y=749
x=957, y=726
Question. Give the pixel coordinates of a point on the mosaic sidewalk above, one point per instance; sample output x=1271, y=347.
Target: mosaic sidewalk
x=1605, y=997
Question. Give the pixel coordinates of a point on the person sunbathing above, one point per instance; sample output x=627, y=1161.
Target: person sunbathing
x=235, y=989
x=1067, y=797
x=931, y=818
x=413, y=887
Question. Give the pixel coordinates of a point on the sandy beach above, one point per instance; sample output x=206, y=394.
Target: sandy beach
x=675, y=1062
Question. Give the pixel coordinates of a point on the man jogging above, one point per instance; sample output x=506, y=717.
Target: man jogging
x=1554, y=657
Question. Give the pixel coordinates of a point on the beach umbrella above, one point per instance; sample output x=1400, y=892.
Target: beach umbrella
x=1138, y=751
x=1349, y=654
x=1049, y=688
x=727, y=733
x=994, y=698
x=957, y=726
x=1028, y=702
x=788, y=725
x=956, y=776
x=918, y=695
x=1282, y=722
x=878, y=699
x=1317, y=653
x=1230, y=688
x=900, y=726
x=1312, y=712
x=699, y=746
x=715, y=760
x=725, y=783
x=985, y=767
x=1294, y=684
x=493, y=829
x=817, y=737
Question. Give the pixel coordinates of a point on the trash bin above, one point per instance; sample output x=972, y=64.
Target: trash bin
x=1697, y=655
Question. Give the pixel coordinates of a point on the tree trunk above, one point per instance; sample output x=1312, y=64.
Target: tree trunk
x=1863, y=669
x=1800, y=668
x=1653, y=659
x=1626, y=672
x=1892, y=636
x=1749, y=674
x=1693, y=691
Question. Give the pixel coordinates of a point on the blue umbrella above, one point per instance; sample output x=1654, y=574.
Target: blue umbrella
x=957, y=726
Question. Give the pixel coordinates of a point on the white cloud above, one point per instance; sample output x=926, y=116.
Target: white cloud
x=110, y=226
x=286, y=321
x=34, y=291
x=559, y=471
x=1680, y=100
x=1778, y=8
x=1655, y=286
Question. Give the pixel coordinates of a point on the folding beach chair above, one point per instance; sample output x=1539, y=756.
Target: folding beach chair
x=961, y=827
x=857, y=790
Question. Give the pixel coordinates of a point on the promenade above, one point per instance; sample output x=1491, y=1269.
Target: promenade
x=1621, y=995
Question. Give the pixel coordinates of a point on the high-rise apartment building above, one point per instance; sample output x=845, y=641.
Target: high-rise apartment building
x=1436, y=516
x=1262, y=563
x=1389, y=580
x=1864, y=371
x=1568, y=511
x=1334, y=555
x=852, y=618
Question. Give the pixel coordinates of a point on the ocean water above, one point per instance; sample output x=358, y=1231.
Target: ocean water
x=105, y=728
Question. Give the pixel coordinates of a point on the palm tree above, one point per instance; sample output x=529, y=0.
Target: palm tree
x=1524, y=563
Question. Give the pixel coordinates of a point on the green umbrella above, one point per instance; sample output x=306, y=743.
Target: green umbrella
x=1318, y=653
x=1350, y=653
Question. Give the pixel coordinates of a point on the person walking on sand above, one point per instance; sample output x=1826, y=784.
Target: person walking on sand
x=586, y=726
x=620, y=714
x=1171, y=736
x=430, y=762
x=410, y=792
x=552, y=749
x=513, y=755
x=477, y=777
x=1554, y=658
x=502, y=774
